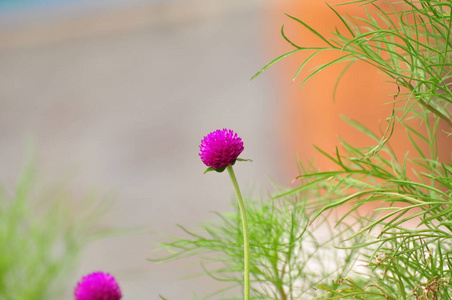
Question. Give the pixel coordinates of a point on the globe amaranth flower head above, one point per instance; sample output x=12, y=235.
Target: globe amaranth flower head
x=97, y=286
x=220, y=149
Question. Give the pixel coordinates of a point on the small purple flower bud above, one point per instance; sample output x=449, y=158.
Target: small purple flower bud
x=97, y=286
x=220, y=148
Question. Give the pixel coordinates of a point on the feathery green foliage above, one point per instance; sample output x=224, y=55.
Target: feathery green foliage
x=287, y=260
x=411, y=44
x=41, y=239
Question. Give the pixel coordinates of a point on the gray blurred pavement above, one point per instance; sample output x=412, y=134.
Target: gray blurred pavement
x=122, y=100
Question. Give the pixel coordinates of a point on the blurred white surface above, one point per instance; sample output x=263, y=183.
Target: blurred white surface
x=125, y=109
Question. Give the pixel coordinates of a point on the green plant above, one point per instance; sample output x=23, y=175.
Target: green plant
x=411, y=44
x=41, y=237
x=287, y=260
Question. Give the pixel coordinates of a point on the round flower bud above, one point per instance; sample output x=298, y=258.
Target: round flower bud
x=97, y=286
x=220, y=148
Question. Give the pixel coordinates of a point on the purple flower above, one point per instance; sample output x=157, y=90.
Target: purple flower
x=220, y=148
x=97, y=286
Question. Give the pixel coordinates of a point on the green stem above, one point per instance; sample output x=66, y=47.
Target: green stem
x=428, y=106
x=246, y=245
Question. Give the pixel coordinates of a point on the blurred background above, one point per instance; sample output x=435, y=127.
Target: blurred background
x=116, y=95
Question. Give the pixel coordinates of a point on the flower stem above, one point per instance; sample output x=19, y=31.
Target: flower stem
x=246, y=245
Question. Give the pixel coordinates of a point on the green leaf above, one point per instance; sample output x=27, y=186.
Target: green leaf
x=210, y=169
x=311, y=29
x=244, y=159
